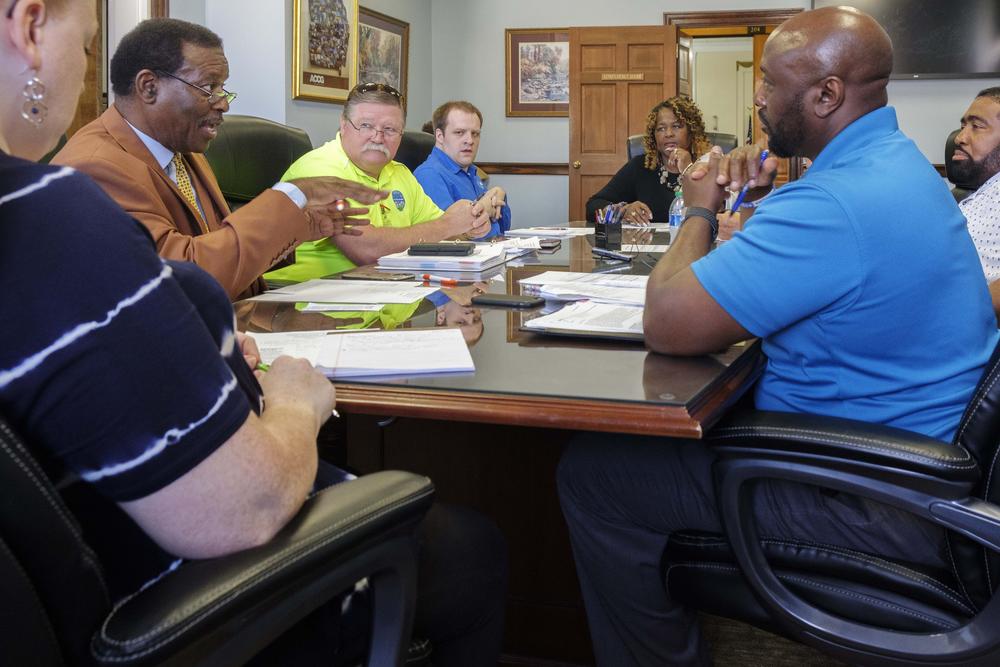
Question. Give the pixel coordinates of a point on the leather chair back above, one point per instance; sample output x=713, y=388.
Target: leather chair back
x=727, y=142
x=51, y=584
x=414, y=148
x=978, y=431
x=962, y=189
x=251, y=154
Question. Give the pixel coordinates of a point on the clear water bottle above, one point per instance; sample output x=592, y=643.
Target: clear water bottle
x=676, y=216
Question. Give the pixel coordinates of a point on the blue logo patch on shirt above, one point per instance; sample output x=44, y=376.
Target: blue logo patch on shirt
x=397, y=198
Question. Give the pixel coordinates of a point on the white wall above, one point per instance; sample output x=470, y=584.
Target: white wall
x=188, y=10
x=255, y=47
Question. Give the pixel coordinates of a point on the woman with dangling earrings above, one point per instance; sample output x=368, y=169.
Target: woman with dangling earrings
x=674, y=133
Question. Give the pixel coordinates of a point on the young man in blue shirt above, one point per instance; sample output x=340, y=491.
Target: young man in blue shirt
x=864, y=286
x=449, y=174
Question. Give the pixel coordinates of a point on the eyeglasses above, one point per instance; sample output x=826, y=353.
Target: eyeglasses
x=380, y=87
x=367, y=130
x=211, y=95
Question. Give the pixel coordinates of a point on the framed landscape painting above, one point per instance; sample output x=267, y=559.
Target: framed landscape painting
x=537, y=72
x=325, y=47
x=383, y=48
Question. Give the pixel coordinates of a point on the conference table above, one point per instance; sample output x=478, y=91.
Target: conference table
x=537, y=380
x=492, y=439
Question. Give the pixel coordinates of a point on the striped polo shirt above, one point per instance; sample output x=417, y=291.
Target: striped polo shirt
x=114, y=363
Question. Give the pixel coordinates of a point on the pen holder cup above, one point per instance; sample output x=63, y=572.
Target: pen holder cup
x=608, y=235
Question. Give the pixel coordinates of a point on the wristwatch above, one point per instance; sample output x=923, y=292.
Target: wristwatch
x=713, y=222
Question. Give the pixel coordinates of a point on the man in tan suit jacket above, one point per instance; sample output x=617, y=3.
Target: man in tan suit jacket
x=146, y=150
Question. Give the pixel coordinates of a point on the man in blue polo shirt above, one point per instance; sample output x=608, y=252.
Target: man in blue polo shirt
x=864, y=285
x=449, y=174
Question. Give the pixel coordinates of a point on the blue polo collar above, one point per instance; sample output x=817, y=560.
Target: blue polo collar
x=856, y=136
x=445, y=161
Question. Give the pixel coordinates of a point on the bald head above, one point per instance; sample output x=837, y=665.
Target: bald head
x=837, y=41
x=823, y=69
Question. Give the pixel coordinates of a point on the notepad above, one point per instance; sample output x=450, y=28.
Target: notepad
x=371, y=353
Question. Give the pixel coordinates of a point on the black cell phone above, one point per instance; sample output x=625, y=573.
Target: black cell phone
x=448, y=249
x=548, y=244
x=507, y=300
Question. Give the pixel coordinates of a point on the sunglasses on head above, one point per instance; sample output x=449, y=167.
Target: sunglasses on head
x=380, y=87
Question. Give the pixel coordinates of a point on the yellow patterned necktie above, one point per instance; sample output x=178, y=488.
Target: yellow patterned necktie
x=184, y=185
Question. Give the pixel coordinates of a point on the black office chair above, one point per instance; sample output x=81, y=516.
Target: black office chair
x=862, y=608
x=221, y=611
x=962, y=189
x=251, y=154
x=414, y=148
x=727, y=142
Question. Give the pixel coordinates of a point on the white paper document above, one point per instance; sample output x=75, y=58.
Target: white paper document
x=590, y=317
x=551, y=232
x=350, y=291
x=603, y=293
x=641, y=247
x=484, y=256
x=338, y=307
x=574, y=277
x=526, y=243
x=364, y=353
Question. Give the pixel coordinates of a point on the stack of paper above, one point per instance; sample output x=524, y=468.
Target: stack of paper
x=589, y=318
x=484, y=256
x=550, y=232
x=603, y=293
x=366, y=353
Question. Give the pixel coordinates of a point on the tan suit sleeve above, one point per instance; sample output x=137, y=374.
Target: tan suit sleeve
x=245, y=245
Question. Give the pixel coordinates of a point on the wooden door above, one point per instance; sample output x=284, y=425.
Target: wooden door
x=616, y=75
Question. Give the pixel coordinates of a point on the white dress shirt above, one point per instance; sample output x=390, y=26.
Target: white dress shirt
x=982, y=212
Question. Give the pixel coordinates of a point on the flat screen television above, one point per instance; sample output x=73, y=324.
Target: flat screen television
x=937, y=39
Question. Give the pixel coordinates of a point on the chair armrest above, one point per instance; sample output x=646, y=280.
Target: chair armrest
x=929, y=478
x=223, y=610
x=847, y=446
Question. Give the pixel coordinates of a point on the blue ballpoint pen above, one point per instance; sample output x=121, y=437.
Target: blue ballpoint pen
x=746, y=186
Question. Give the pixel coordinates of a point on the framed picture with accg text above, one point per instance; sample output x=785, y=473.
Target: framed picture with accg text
x=383, y=48
x=325, y=48
x=537, y=72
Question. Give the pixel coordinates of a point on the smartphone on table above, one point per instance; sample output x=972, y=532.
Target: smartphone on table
x=444, y=248
x=507, y=300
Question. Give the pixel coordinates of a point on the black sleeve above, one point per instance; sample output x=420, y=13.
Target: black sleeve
x=621, y=187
